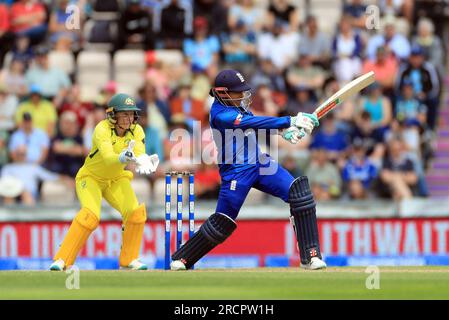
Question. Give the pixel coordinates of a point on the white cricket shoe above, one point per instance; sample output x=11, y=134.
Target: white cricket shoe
x=135, y=265
x=314, y=264
x=58, y=265
x=177, y=265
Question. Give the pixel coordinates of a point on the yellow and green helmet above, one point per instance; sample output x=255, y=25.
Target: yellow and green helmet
x=121, y=102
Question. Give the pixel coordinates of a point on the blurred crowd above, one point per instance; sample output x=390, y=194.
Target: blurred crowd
x=377, y=144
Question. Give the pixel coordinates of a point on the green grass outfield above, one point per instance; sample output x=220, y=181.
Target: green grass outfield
x=263, y=283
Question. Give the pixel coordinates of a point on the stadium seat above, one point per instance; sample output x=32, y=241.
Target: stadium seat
x=56, y=192
x=62, y=60
x=169, y=56
x=129, y=69
x=327, y=13
x=94, y=69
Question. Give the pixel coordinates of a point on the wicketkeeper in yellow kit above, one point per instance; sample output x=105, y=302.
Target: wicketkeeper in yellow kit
x=117, y=141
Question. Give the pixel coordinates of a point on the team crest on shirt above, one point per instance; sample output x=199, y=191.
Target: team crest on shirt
x=129, y=102
x=238, y=119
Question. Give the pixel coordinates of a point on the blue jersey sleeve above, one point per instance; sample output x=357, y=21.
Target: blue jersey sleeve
x=235, y=120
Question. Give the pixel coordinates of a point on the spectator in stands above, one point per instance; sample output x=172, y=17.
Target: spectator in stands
x=248, y=12
x=398, y=172
x=74, y=104
x=202, y=51
x=183, y=103
x=267, y=72
x=92, y=119
x=410, y=109
x=153, y=140
x=385, y=68
x=30, y=175
x=200, y=85
x=346, y=52
x=315, y=44
x=400, y=8
x=330, y=139
x=239, y=48
x=216, y=12
x=14, y=78
x=63, y=38
x=6, y=37
x=426, y=85
x=284, y=10
x=157, y=109
x=303, y=100
x=42, y=111
x=394, y=42
x=356, y=12
x=359, y=173
x=173, y=21
x=278, y=45
x=290, y=163
x=324, y=177
x=35, y=140
x=344, y=114
x=409, y=134
x=158, y=73
x=263, y=102
x=304, y=73
x=136, y=26
x=28, y=18
x=372, y=139
x=67, y=152
x=4, y=136
x=430, y=43
x=8, y=108
x=378, y=107
x=22, y=50
x=53, y=81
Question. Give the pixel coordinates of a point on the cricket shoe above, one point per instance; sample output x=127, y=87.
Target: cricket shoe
x=314, y=264
x=58, y=265
x=135, y=265
x=177, y=265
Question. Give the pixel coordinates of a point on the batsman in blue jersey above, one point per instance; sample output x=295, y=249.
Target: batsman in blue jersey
x=243, y=166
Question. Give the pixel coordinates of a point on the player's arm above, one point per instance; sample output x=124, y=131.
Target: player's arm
x=245, y=121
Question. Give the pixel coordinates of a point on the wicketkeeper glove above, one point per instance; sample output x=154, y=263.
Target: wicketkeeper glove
x=146, y=164
x=306, y=121
x=127, y=155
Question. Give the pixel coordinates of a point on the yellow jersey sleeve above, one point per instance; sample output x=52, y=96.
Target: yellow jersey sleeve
x=139, y=135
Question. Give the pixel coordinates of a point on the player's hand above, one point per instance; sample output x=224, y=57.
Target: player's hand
x=127, y=155
x=306, y=121
x=146, y=164
x=293, y=134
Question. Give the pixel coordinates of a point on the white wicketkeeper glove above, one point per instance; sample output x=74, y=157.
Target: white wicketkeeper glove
x=146, y=164
x=293, y=134
x=306, y=121
x=127, y=155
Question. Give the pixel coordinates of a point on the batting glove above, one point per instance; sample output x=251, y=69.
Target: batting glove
x=306, y=121
x=293, y=134
x=146, y=164
x=127, y=155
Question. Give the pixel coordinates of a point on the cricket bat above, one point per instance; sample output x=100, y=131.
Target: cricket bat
x=344, y=93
